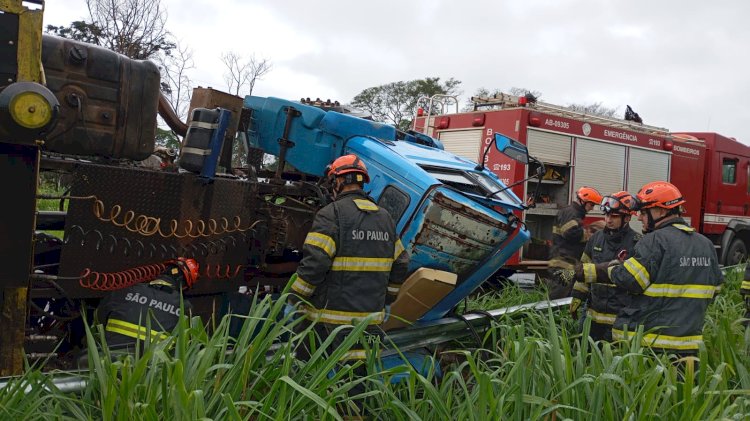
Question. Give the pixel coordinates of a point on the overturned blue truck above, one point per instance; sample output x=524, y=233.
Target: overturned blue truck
x=243, y=217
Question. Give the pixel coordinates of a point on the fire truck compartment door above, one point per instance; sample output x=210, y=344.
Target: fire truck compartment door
x=645, y=166
x=464, y=143
x=549, y=147
x=599, y=165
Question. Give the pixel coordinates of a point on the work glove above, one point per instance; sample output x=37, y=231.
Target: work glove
x=575, y=304
x=387, y=312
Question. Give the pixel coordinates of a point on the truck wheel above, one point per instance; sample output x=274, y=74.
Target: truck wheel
x=736, y=253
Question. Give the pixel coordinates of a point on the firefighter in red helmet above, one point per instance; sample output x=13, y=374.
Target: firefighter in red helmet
x=147, y=311
x=569, y=237
x=353, y=262
x=672, y=276
x=616, y=241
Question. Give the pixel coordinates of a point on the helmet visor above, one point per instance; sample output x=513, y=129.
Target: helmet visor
x=611, y=204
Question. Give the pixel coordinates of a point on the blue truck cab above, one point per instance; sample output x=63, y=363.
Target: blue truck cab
x=451, y=214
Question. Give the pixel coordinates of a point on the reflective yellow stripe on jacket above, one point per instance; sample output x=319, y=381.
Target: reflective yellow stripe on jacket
x=321, y=241
x=641, y=275
x=601, y=318
x=133, y=330
x=581, y=287
x=342, y=317
x=565, y=227
x=589, y=273
x=680, y=291
x=398, y=249
x=656, y=340
x=364, y=204
x=362, y=264
x=301, y=287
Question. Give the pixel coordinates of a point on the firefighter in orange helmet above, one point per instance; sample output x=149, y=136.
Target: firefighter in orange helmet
x=672, y=276
x=353, y=262
x=616, y=241
x=568, y=240
x=147, y=311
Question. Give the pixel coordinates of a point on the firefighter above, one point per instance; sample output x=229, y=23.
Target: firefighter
x=147, y=311
x=568, y=240
x=616, y=241
x=672, y=276
x=353, y=262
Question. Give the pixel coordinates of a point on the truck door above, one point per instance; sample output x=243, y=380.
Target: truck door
x=555, y=151
x=464, y=143
x=733, y=193
x=600, y=165
x=645, y=166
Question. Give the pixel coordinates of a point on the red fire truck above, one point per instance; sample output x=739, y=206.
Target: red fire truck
x=577, y=149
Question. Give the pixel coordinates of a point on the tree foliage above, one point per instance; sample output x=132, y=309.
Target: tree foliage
x=78, y=30
x=594, y=108
x=397, y=102
x=134, y=28
x=242, y=73
x=167, y=139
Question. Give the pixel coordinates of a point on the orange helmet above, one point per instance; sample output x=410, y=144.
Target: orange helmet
x=348, y=164
x=589, y=194
x=189, y=269
x=620, y=203
x=659, y=194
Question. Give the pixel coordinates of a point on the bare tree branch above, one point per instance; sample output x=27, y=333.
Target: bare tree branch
x=242, y=74
x=135, y=28
x=175, y=80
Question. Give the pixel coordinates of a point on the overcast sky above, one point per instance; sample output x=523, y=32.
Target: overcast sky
x=682, y=65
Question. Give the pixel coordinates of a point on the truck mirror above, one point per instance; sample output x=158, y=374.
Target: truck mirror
x=512, y=148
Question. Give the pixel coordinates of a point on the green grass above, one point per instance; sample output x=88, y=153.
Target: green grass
x=51, y=189
x=536, y=368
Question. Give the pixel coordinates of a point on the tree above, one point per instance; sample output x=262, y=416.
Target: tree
x=594, y=108
x=134, y=28
x=397, y=102
x=167, y=139
x=176, y=84
x=242, y=74
x=78, y=30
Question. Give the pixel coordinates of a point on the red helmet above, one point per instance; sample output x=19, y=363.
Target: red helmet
x=189, y=268
x=659, y=194
x=589, y=194
x=620, y=203
x=348, y=164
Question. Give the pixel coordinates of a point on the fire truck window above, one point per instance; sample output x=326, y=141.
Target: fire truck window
x=394, y=201
x=729, y=171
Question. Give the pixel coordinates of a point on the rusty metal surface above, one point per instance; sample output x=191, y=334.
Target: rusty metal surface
x=453, y=236
x=108, y=101
x=273, y=224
